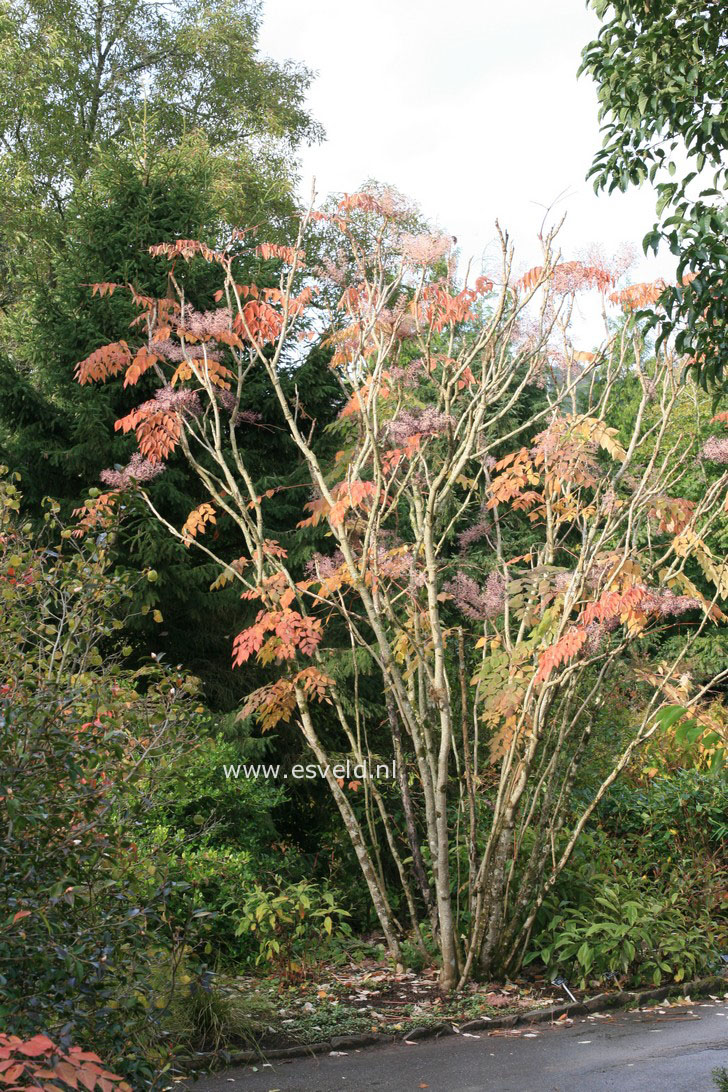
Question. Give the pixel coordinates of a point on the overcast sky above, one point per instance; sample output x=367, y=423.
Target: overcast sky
x=471, y=107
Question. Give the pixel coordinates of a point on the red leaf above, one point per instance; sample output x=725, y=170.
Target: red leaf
x=68, y=1073
x=87, y=1077
x=39, y=1044
x=12, y=1074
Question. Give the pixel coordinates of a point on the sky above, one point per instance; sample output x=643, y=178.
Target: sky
x=471, y=107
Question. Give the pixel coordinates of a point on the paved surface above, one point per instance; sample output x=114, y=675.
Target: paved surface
x=670, y=1050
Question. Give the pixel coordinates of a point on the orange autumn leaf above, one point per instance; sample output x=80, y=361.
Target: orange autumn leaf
x=288, y=254
x=104, y=363
x=140, y=364
x=197, y=521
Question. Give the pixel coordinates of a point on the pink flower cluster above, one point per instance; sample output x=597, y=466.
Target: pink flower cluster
x=609, y=501
x=336, y=271
x=391, y=202
x=408, y=376
x=322, y=567
x=425, y=249
x=178, y=400
x=596, y=632
x=659, y=602
x=617, y=264
x=138, y=469
x=715, y=449
x=402, y=325
x=173, y=352
x=476, y=602
x=476, y=533
x=394, y=566
x=243, y=417
x=426, y=422
x=206, y=324
x=665, y=604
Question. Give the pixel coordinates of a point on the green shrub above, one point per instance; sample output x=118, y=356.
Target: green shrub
x=720, y=1079
x=291, y=921
x=200, y=803
x=687, y=809
x=218, y=839
x=625, y=931
x=77, y=731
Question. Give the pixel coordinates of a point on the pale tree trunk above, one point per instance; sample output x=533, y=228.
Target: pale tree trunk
x=376, y=889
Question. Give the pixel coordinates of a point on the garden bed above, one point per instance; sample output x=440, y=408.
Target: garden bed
x=368, y=997
x=521, y=1013
x=368, y=1002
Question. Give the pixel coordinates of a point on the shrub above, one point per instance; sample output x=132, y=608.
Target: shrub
x=39, y=1063
x=687, y=809
x=290, y=922
x=625, y=931
x=218, y=840
x=198, y=802
x=77, y=731
x=720, y=1078
x=641, y=898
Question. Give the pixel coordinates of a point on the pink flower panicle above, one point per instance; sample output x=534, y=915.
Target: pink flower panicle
x=616, y=264
x=228, y=400
x=178, y=400
x=402, y=325
x=715, y=449
x=391, y=202
x=206, y=324
x=425, y=249
x=658, y=602
x=665, y=604
x=335, y=271
x=174, y=353
x=408, y=376
x=476, y=602
x=596, y=632
x=323, y=567
x=476, y=533
x=426, y=422
x=138, y=469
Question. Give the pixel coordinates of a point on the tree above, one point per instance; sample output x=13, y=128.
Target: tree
x=493, y=660
x=660, y=68
x=74, y=76
x=97, y=101
x=134, y=195
x=124, y=122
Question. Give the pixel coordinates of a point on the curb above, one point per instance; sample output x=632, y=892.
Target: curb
x=357, y=1040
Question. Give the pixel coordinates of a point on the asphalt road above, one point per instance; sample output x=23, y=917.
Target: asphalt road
x=669, y=1050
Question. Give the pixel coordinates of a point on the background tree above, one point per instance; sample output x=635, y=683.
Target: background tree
x=75, y=76
x=122, y=124
x=661, y=70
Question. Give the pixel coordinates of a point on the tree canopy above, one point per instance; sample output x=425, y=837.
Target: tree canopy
x=662, y=71
x=74, y=75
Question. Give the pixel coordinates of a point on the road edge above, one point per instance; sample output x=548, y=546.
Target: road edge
x=355, y=1041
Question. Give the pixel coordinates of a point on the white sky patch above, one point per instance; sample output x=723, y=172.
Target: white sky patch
x=473, y=109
